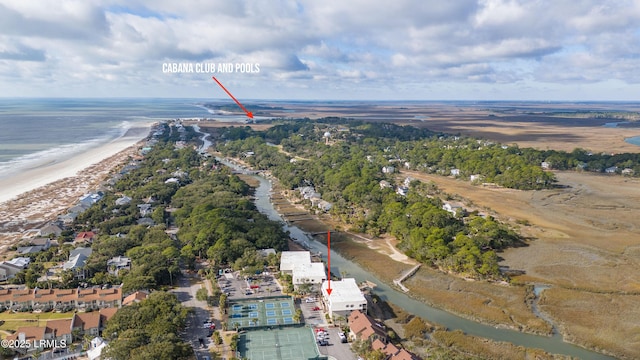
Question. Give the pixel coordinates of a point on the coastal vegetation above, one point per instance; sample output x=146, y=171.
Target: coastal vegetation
x=354, y=166
x=208, y=208
x=348, y=175
x=148, y=330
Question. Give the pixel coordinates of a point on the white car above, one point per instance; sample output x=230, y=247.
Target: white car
x=309, y=300
x=342, y=337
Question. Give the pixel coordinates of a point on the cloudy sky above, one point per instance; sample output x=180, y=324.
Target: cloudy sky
x=329, y=49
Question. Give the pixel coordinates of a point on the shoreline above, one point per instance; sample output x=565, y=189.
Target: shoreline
x=30, y=203
x=15, y=185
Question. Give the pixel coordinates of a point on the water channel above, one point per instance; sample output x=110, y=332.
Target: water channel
x=553, y=344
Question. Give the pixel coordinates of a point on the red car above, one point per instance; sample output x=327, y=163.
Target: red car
x=317, y=308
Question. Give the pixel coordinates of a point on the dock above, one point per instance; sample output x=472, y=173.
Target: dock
x=405, y=276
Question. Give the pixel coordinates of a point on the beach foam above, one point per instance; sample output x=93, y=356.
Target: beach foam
x=32, y=171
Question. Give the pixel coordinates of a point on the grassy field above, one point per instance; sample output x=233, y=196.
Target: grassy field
x=606, y=322
x=12, y=321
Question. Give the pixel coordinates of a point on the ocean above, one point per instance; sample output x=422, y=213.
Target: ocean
x=34, y=131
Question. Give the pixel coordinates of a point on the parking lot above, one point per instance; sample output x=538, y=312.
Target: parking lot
x=237, y=287
x=315, y=316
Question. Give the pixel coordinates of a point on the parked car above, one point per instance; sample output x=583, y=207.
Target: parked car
x=343, y=338
x=323, y=342
x=309, y=300
x=317, y=308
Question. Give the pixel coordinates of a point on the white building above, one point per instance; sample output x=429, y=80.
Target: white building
x=345, y=297
x=302, y=270
x=289, y=259
x=312, y=274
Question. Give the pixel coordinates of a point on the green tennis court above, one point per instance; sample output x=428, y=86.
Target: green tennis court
x=290, y=343
x=252, y=313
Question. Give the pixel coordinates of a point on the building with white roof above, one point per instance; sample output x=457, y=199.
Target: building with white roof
x=345, y=297
x=289, y=259
x=302, y=270
x=312, y=273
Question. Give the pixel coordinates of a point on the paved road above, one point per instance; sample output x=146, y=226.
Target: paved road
x=188, y=284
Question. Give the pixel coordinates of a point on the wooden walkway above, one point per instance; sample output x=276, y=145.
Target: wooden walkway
x=404, y=277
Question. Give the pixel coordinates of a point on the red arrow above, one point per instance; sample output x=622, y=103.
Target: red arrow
x=249, y=113
x=329, y=263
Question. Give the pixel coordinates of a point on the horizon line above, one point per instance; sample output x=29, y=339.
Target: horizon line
x=222, y=99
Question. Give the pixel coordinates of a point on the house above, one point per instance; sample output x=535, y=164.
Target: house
x=145, y=210
x=91, y=198
x=92, y=323
x=627, y=171
x=76, y=264
x=545, y=165
x=80, y=250
x=26, y=250
x=452, y=208
x=407, y=181
x=179, y=174
x=59, y=333
x=402, y=190
x=611, y=170
x=85, y=237
x=135, y=298
x=384, y=184
x=78, y=209
x=22, y=262
x=115, y=264
x=388, y=169
x=455, y=172
x=124, y=200
x=50, y=229
x=392, y=352
x=44, y=242
x=68, y=218
x=324, y=205
x=9, y=270
x=28, y=334
x=146, y=221
x=363, y=327
x=345, y=297
x=475, y=178
x=172, y=181
x=95, y=348
x=60, y=330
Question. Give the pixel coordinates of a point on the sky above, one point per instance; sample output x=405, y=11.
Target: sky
x=554, y=50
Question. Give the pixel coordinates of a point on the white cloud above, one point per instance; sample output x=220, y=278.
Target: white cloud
x=356, y=47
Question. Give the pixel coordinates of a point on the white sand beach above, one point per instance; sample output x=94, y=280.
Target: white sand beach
x=32, y=179
x=33, y=197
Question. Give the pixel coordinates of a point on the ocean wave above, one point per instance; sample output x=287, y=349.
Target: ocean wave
x=61, y=152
